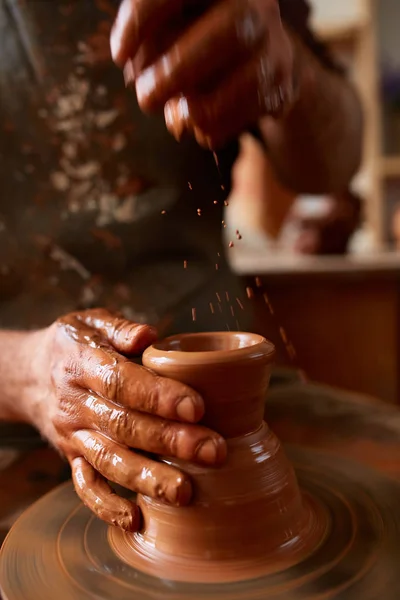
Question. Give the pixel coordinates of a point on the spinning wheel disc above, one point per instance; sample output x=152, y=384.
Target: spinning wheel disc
x=58, y=549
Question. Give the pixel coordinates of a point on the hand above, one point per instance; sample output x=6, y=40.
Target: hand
x=228, y=66
x=330, y=231
x=102, y=412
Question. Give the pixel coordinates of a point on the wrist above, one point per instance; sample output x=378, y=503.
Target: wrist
x=27, y=388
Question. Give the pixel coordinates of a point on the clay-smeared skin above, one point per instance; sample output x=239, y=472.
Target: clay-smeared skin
x=96, y=406
x=230, y=66
x=346, y=453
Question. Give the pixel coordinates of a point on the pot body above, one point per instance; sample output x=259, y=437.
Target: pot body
x=247, y=517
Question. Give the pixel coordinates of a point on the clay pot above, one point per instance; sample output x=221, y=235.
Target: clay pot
x=248, y=517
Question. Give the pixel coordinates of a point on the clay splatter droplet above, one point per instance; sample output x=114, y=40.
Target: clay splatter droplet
x=212, y=308
x=250, y=292
x=283, y=335
x=268, y=303
x=185, y=264
x=258, y=282
x=163, y=212
x=199, y=212
x=227, y=296
x=218, y=296
x=194, y=315
x=190, y=186
x=239, y=303
x=231, y=244
x=215, y=201
x=290, y=349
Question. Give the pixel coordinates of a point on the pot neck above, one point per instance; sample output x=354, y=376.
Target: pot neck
x=233, y=381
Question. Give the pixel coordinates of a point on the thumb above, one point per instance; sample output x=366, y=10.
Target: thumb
x=125, y=336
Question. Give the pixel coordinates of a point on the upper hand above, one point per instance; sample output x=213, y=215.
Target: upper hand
x=216, y=72
x=98, y=408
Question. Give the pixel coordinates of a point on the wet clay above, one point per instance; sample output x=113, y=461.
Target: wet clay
x=248, y=517
x=346, y=454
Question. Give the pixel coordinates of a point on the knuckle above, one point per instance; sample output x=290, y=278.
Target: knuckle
x=111, y=379
x=120, y=423
x=99, y=457
x=62, y=423
x=153, y=395
x=169, y=437
x=249, y=27
x=122, y=328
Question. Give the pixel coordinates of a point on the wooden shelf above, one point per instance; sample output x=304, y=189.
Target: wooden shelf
x=339, y=32
x=389, y=167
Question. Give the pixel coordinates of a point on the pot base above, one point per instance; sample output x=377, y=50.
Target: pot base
x=131, y=549
x=58, y=549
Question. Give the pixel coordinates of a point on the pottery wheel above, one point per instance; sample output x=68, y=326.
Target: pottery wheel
x=57, y=549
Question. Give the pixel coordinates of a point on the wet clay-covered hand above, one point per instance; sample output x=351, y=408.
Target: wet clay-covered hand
x=216, y=67
x=103, y=412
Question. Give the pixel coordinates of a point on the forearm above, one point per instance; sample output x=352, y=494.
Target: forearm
x=16, y=356
x=316, y=146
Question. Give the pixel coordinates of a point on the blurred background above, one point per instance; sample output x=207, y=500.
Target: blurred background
x=342, y=312
x=69, y=192
x=363, y=37
x=67, y=159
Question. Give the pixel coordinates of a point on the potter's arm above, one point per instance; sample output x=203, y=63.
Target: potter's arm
x=316, y=147
x=74, y=383
x=15, y=374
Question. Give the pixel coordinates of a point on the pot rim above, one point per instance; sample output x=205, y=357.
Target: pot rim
x=168, y=351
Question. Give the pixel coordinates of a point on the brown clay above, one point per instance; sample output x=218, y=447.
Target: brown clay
x=346, y=454
x=253, y=501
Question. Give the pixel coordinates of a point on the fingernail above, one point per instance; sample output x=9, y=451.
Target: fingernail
x=177, y=117
x=129, y=73
x=145, y=84
x=117, y=32
x=185, y=410
x=211, y=451
x=250, y=29
x=115, y=43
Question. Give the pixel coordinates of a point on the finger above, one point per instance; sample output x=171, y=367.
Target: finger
x=136, y=20
x=133, y=471
x=101, y=369
x=164, y=37
x=126, y=337
x=251, y=91
x=220, y=40
x=145, y=432
x=98, y=496
x=111, y=376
